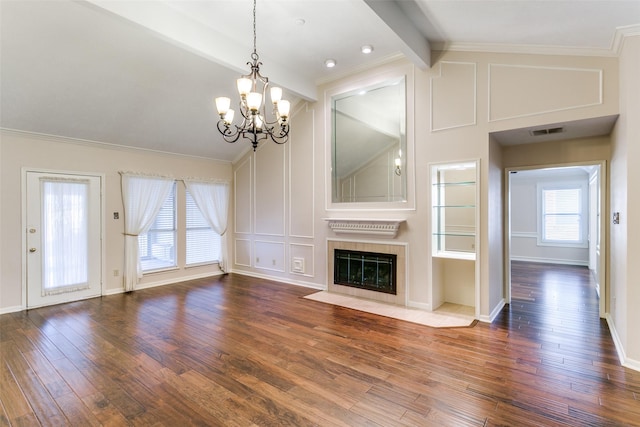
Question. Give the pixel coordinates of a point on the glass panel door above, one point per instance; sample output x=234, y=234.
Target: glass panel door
x=62, y=238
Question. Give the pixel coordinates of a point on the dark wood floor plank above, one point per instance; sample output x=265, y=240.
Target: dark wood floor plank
x=4, y=418
x=241, y=351
x=12, y=399
x=35, y=392
x=76, y=411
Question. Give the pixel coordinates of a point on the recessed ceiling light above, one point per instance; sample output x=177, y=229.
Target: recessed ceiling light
x=330, y=63
x=367, y=49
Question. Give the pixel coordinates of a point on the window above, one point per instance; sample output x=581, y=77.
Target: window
x=203, y=244
x=157, y=247
x=563, y=215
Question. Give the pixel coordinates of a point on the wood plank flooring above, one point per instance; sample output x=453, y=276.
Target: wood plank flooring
x=240, y=351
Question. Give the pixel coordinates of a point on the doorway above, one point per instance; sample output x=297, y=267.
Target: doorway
x=62, y=241
x=559, y=234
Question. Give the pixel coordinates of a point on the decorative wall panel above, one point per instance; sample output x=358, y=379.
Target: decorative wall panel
x=453, y=96
x=517, y=91
x=242, y=195
x=269, y=189
x=269, y=255
x=242, y=253
x=302, y=172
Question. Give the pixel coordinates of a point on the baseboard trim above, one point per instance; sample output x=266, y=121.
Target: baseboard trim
x=496, y=311
x=419, y=305
x=280, y=279
x=550, y=261
x=624, y=360
x=13, y=309
x=175, y=280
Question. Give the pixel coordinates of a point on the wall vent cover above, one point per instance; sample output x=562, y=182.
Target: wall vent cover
x=548, y=131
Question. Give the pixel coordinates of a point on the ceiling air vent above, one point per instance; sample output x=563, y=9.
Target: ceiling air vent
x=549, y=131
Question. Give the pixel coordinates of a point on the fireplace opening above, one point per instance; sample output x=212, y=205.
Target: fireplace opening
x=365, y=270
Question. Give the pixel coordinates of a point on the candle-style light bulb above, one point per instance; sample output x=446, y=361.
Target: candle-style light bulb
x=283, y=108
x=254, y=100
x=228, y=117
x=244, y=86
x=276, y=94
x=222, y=105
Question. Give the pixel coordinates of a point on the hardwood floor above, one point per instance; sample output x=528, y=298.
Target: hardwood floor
x=239, y=351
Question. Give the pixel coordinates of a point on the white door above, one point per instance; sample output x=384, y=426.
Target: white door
x=62, y=238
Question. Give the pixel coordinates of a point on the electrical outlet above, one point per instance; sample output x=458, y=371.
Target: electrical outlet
x=116, y=215
x=116, y=273
x=273, y=262
x=257, y=260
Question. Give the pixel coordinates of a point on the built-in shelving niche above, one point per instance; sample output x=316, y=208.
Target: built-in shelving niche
x=454, y=237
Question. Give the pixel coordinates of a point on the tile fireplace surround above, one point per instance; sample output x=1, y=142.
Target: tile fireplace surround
x=397, y=249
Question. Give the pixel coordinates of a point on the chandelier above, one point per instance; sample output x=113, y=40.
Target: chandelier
x=253, y=89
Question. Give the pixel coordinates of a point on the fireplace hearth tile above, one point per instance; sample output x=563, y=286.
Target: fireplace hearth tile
x=448, y=319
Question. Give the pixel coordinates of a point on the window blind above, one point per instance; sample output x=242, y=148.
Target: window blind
x=157, y=246
x=203, y=244
x=562, y=214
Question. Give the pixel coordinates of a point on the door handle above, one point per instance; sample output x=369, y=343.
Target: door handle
x=32, y=250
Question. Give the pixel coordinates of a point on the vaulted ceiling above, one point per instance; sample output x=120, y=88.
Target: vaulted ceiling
x=144, y=73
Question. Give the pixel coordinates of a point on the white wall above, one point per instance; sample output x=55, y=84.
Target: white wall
x=525, y=229
x=457, y=104
x=625, y=198
x=23, y=150
x=494, y=265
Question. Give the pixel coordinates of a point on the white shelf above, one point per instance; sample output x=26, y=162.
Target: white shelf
x=471, y=256
x=454, y=225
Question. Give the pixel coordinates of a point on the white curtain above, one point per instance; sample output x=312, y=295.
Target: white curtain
x=142, y=197
x=212, y=198
x=65, y=231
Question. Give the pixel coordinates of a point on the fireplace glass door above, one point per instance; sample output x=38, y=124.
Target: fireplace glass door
x=365, y=270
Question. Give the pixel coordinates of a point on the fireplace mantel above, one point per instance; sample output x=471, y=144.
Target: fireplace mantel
x=366, y=226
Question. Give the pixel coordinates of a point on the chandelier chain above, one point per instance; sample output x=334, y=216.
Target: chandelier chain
x=255, y=52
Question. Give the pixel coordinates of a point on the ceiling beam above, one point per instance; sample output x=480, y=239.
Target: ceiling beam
x=414, y=45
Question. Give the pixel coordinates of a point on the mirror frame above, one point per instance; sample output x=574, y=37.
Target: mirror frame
x=367, y=80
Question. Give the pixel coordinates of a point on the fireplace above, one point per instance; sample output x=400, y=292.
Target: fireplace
x=356, y=261
x=365, y=270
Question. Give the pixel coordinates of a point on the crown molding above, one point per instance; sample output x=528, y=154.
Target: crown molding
x=621, y=34
x=524, y=49
x=616, y=45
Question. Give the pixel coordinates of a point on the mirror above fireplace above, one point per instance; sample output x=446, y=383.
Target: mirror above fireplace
x=370, y=141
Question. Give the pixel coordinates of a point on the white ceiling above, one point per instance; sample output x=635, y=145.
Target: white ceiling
x=144, y=73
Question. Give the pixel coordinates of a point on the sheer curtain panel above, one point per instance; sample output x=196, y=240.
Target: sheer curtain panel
x=65, y=227
x=142, y=197
x=212, y=198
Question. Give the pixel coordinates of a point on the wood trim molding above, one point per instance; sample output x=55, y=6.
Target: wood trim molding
x=372, y=227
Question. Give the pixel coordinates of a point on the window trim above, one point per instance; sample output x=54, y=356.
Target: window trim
x=584, y=213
